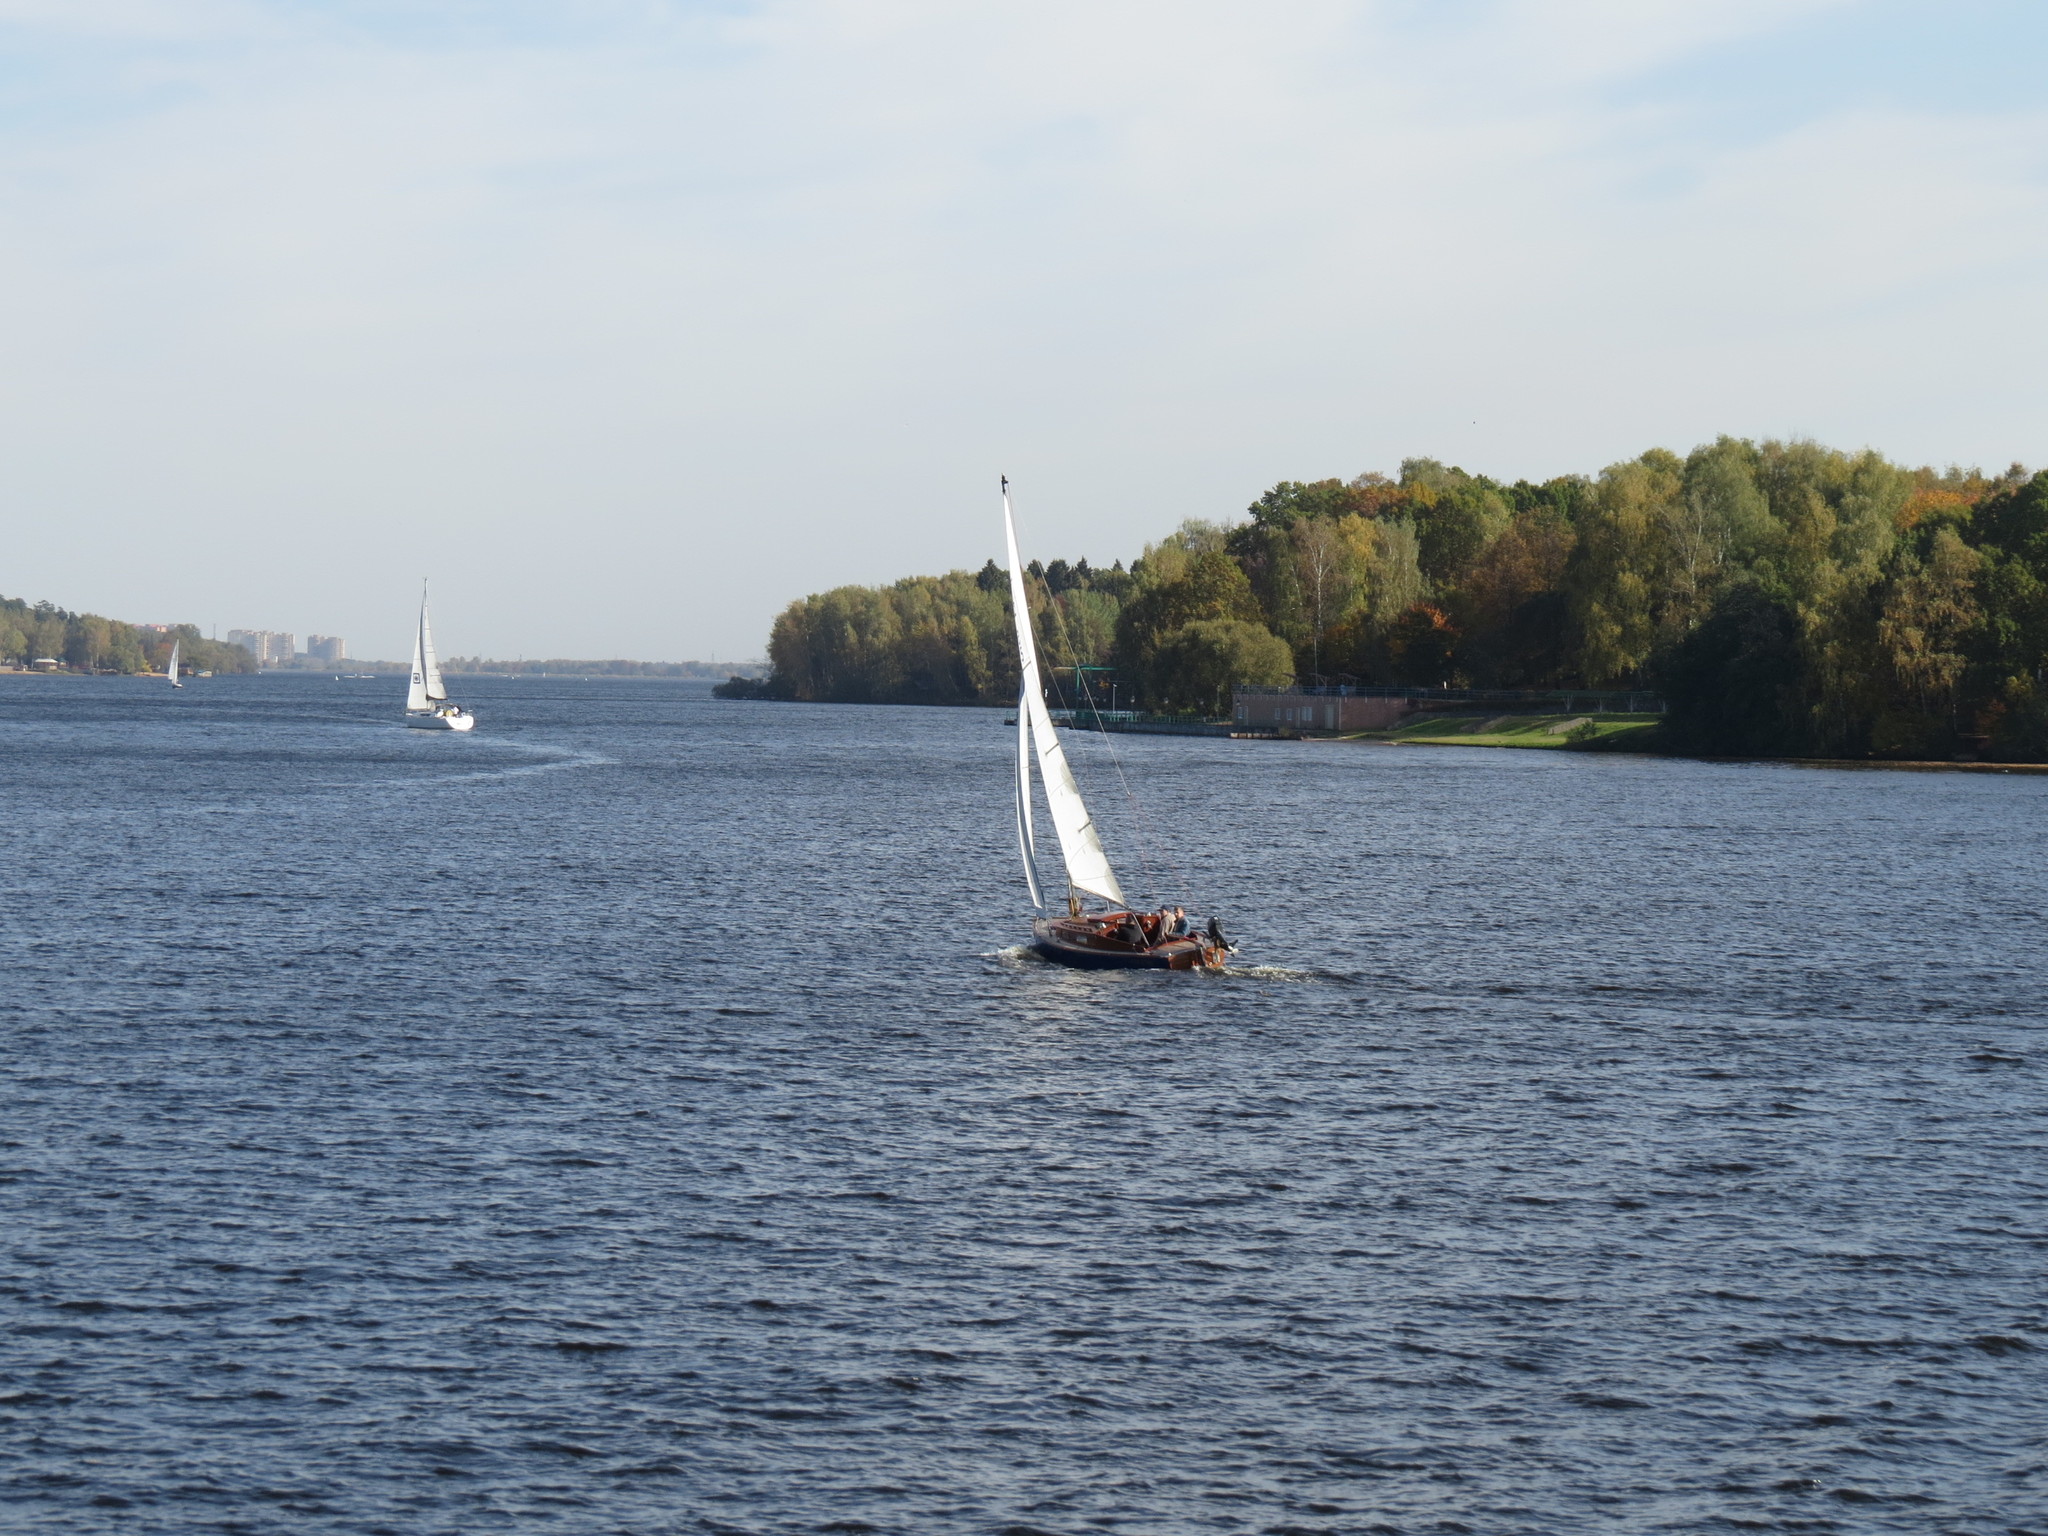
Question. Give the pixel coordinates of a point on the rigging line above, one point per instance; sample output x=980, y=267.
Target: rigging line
x=1137, y=806
x=1141, y=820
x=1137, y=812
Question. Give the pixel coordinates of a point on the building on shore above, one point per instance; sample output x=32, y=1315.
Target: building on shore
x=1316, y=709
x=328, y=648
x=270, y=647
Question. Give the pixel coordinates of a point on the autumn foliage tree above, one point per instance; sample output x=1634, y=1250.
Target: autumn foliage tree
x=1790, y=597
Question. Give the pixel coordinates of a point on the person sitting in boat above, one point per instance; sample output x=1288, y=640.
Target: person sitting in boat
x=1132, y=932
x=1176, y=922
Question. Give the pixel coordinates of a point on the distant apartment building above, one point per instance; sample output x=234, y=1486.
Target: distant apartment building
x=326, y=648
x=270, y=647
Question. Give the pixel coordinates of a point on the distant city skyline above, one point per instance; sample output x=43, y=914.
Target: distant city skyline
x=627, y=324
x=273, y=647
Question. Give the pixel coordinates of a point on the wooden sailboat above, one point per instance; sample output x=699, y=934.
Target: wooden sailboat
x=426, y=699
x=171, y=670
x=1113, y=937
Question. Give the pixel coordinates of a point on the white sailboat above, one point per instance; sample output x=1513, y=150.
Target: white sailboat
x=171, y=671
x=426, y=699
x=1115, y=937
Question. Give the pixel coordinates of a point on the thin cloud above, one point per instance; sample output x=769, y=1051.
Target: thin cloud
x=644, y=318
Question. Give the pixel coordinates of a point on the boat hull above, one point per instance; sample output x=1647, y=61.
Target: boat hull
x=427, y=720
x=1089, y=944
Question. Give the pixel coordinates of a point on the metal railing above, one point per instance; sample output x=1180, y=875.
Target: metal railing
x=1138, y=720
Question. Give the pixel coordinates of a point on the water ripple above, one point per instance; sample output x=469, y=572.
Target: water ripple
x=1575, y=1144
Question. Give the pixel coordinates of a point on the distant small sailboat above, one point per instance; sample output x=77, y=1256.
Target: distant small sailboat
x=426, y=700
x=1116, y=938
x=171, y=670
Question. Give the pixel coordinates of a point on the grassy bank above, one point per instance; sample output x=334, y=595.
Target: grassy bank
x=1625, y=733
x=1613, y=733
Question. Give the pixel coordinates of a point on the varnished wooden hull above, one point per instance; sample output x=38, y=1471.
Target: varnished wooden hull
x=1088, y=945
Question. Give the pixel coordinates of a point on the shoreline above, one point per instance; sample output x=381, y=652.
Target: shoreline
x=1860, y=764
x=388, y=670
x=1219, y=730
x=1901, y=765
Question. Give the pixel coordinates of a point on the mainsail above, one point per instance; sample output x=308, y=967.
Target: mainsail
x=416, y=696
x=1027, y=844
x=431, y=670
x=1087, y=865
x=171, y=671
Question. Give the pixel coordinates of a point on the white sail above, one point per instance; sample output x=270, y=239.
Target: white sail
x=1027, y=844
x=431, y=665
x=416, y=691
x=171, y=671
x=1087, y=865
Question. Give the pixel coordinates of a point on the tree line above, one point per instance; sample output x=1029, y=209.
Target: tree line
x=88, y=642
x=1788, y=598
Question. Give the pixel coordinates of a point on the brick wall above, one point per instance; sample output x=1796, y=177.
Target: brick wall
x=1309, y=712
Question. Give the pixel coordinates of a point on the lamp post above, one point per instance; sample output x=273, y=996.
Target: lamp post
x=1083, y=683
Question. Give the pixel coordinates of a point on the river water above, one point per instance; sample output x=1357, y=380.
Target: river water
x=638, y=1117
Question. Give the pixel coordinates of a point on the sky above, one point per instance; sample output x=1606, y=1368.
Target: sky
x=628, y=321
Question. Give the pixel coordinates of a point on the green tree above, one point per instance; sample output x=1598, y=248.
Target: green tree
x=1511, y=606
x=85, y=641
x=1725, y=518
x=1455, y=528
x=2013, y=519
x=1735, y=685
x=1793, y=597
x=1293, y=501
x=123, y=652
x=1618, y=567
x=49, y=632
x=1199, y=663
x=1927, y=611
x=1209, y=585
x=1424, y=643
x=1387, y=581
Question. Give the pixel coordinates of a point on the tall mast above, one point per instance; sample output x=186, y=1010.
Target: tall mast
x=1080, y=847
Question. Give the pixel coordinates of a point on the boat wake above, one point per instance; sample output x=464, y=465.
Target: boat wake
x=567, y=760
x=557, y=759
x=1278, y=973
x=1017, y=956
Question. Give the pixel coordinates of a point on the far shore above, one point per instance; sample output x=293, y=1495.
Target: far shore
x=1885, y=764
x=1615, y=739
x=1632, y=734
x=1577, y=734
x=372, y=669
